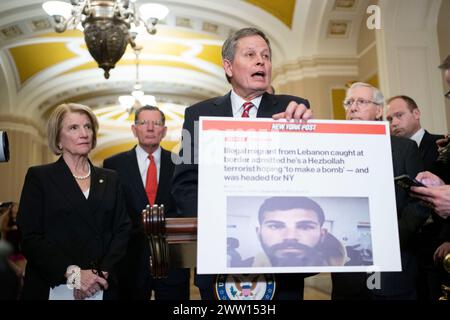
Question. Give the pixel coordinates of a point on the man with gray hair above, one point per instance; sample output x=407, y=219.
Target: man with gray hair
x=365, y=102
x=145, y=173
x=247, y=62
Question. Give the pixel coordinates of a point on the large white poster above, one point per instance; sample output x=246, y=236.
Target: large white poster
x=278, y=197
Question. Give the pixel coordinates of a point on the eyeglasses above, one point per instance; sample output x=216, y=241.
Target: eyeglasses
x=359, y=102
x=156, y=123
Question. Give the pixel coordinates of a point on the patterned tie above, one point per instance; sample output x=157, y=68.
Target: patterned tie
x=151, y=183
x=247, y=106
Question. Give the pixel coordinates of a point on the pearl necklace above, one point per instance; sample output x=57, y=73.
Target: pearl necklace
x=83, y=177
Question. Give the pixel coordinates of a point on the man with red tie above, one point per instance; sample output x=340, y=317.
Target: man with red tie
x=146, y=176
x=247, y=62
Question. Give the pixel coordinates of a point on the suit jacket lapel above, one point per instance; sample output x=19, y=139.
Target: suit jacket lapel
x=267, y=106
x=135, y=175
x=224, y=108
x=70, y=190
x=424, y=144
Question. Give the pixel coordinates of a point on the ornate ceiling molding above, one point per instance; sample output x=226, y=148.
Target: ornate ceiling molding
x=314, y=68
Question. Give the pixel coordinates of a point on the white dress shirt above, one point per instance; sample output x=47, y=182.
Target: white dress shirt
x=144, y=161
x=418, y=136
x=237, y=102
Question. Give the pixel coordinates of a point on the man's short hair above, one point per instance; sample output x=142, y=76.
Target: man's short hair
x=288, y=203
x=446, y=64
x=150, y=108
x=377, y=96
x=54, y=124
x=409, y=102
x=229, y=46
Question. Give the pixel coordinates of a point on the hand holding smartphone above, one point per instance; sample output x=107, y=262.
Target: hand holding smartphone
x=406, y=182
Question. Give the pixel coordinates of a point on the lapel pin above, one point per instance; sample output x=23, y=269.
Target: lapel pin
x=101, y=180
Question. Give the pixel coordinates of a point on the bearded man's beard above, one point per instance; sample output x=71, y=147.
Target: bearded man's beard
x=297, y=254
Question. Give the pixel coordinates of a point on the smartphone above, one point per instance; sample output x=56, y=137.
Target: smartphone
x=406, y=182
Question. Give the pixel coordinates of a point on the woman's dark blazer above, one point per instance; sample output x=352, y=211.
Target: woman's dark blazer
x=60, y=227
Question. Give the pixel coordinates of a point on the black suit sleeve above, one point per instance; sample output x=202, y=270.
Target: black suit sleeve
x=45, y=255
x=121, y=227
x=185, y=179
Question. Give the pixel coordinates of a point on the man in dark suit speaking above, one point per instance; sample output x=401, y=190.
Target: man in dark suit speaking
x=247, y=62
x=146, y=175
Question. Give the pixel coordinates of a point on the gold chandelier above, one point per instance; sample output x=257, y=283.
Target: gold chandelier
x=107, y=24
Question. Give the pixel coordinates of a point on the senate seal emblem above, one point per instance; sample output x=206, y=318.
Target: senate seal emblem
x=245, y=287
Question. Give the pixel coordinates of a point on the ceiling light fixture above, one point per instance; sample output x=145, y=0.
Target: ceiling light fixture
x=106, y=24
x=137, y=98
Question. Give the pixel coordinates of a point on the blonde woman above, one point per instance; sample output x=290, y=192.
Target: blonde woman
x=72, y=215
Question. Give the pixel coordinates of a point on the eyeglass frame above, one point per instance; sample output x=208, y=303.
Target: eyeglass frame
x=155, y=123
x=359, y=102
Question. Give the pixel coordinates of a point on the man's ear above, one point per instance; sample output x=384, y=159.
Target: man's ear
x=416, y=114
x=133, y=128
x=164, y=132
x=228, y=67
x=379, y=113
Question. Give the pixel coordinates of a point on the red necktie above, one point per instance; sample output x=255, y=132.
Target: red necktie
x=247, y=106
x=151, y=183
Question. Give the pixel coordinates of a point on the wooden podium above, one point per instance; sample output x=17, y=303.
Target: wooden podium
x=173, y=241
